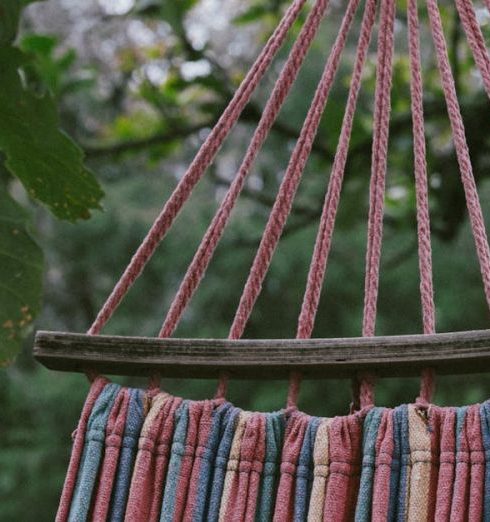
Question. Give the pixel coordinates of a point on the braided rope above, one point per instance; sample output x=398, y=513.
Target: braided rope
x=197, y=168
x=421, y=189
x=205, y=251
x=472, y=200
x=381, y=121
x=323, y=240
x=381, y=124
x=475, y=39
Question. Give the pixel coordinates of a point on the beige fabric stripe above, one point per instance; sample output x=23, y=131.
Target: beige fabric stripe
x=320, y=472
x=420, y=462
x=233, y=462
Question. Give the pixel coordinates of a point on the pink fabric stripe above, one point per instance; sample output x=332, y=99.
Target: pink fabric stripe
x=206, y=249
x=384, y=457
x=242, y=502
x=114, y=436
x=467, y=499
x=381, y=124
x=290, y=182
x=196, y=410
x=145, y=494
x=323, y=242
x=76, y=453
x=462, y=152
x=197, y=168
x=295, y=433
x=446, y=463
x=345, y=440
x=202, y=438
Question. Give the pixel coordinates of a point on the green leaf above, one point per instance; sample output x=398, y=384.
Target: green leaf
x=47, y=161
x=20, y=278
x=9, y=18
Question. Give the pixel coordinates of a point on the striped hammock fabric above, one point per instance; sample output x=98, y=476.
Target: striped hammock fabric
x=208, y=460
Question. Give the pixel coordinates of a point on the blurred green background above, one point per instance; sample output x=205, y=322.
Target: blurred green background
x=138, y=85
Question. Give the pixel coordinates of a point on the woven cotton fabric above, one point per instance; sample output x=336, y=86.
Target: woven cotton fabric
x=209, y=461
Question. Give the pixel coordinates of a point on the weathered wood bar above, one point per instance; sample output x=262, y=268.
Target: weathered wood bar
x=404, y=355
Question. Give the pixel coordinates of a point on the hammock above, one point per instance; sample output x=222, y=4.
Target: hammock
x=142, y=455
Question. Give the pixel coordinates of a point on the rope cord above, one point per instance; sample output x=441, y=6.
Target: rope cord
x=461, y=146
x=208, y=245
x=197, y=168
x=381, y=121
x=475, y=39
x=421, y=190
x=323, y=240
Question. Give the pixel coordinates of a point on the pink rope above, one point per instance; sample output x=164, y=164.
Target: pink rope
x=205, y=251
x=197, y=168
x=323, y=241
x=381, y=124
x=462, y=152
x=422, y=197
x=382, y=107
x=290, y=182
x=475, y=39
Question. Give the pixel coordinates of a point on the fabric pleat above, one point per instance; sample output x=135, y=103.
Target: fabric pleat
x=304, y=474
x=92, y=454
x=77, y=450
x=127, y=457
x=274, y=426
x=295, y=433
x=113, y=442
x=345, y=441
x=370, y=436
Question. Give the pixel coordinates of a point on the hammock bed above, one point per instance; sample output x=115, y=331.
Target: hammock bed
x=141, y=455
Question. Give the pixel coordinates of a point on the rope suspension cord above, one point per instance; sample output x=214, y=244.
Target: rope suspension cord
x=381, y=122
x=475, y=39
x=208, y=245
x=472, y=200
x=323, y=240
x=284, y=199
x=421, y=191
x=197, y=168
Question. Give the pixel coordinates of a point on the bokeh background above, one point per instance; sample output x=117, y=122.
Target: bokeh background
x=138, y=85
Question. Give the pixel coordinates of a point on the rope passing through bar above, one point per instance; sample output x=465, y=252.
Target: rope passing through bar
x=421, y=191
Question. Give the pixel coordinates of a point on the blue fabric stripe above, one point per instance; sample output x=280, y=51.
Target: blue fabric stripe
x=221, y=461
x=178, y=443
x=220, y=419
x=92, y=453
x=370, y=435
x=275, y=425
x=134, y=422
x=304, y=472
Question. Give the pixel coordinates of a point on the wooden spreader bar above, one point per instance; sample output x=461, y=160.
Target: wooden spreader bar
x=404, y=355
